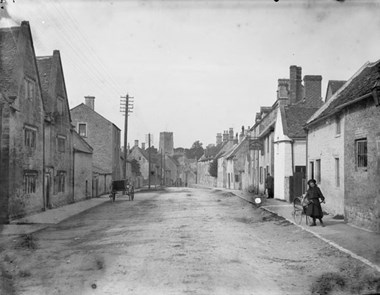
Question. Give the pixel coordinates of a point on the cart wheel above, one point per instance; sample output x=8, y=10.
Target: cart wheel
x=132, y=192
x=297, y=215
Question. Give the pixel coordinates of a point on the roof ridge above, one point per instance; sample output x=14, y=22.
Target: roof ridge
x=336, y=94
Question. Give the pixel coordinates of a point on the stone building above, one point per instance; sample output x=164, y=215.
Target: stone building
x=344, y=149
x=166, y=144
x=104, y=137
x=83, y=173
x=58, y=149
x=21, y=126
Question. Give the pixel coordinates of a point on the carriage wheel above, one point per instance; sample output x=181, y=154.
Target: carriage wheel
x=297, y=215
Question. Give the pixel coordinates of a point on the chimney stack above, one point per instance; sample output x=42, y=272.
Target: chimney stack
x=295, y=84
x=283, y=91
x=90, y=101
x=218, y=138
x=136, y=142
x=242, y=133
x=231, y=134
x=143, y=145
x=313, y=88
x=225, y=136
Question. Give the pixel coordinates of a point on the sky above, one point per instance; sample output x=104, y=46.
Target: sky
x=196, y=68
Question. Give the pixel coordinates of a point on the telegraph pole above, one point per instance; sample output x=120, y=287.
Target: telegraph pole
x=126, y=107
x=149, y=160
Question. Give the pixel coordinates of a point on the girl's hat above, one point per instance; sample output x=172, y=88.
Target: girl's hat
x=311, y=180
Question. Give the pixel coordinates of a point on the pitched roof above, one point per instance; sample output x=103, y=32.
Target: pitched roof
x=295, y=118
x=82, y=105
x=79, y=144
x=8, y=59
x=359, y=84
x=44, y=68
x=237, y=147
x=335, y=85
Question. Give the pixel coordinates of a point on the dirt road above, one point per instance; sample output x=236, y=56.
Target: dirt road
x=182, y=241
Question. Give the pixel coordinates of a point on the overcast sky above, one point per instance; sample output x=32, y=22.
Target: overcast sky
x=196, y=68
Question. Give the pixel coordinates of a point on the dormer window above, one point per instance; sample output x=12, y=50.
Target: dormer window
x=29, y=89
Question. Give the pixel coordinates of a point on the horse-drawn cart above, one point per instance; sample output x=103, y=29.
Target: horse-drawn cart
x=122, y=187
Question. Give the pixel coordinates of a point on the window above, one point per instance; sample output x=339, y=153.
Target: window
x=361, y=153
x=61, y=143
x=30, y=181
x=29, y=89
x=268, y=145
x=312, y=170
x=337, y=175
x=338, y=126
x=61, y=175
x=82, y=129
x=30, y=136
x=60, y=105
x=236, y=177
x=318, y=171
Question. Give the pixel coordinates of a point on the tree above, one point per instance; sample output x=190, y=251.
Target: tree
x=196, y=151
x=213, y=168
x=135, y=167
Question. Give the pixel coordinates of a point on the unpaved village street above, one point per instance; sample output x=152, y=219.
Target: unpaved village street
x=179, y=241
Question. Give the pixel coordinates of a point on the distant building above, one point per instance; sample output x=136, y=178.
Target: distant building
x=166, y=145
x=83, y=173
x=104, y=137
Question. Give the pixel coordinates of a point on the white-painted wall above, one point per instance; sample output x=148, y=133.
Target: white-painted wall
x=324, y=144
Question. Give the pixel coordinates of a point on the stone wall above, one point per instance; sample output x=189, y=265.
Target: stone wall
x=362, y=184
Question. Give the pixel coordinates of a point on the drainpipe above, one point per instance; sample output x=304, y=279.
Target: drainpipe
x=307, y=155
x=73, y=169
x=292, y=147
x=43, y=164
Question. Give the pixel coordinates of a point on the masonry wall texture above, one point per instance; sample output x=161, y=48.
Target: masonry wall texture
x=102, y=136
x=325, y=145
x=362, y=185
x=15, y=156
x=58, y=125
x=203, y=176
x=83, y=176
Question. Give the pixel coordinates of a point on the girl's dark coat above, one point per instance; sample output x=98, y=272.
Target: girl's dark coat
x=314, y=208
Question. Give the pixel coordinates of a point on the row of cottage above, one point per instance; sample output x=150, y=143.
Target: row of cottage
x=50, y=155
x=336, y=141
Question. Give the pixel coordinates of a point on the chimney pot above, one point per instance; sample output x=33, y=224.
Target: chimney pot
x=143, y=145
x=136, y=142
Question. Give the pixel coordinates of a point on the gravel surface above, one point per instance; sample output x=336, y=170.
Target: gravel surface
x=179, y=241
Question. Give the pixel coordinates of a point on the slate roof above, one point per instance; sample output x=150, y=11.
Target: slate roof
x=359, y=84
x=8, y=59
x=44, y=68
x=82, y=105
x=237, y=147
x=335, y=85
x=79, y=144
x=295, y=118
